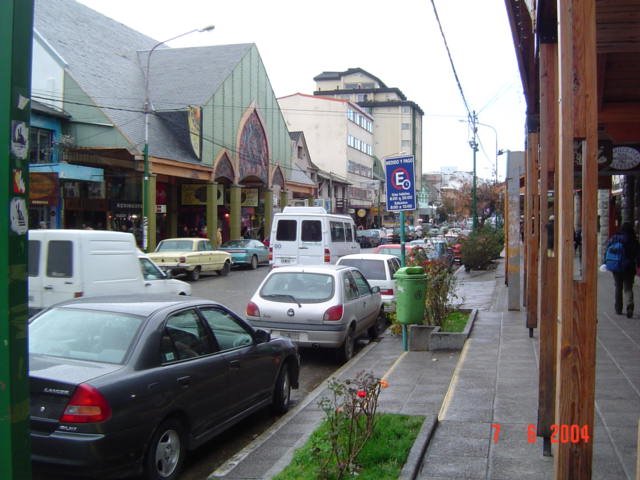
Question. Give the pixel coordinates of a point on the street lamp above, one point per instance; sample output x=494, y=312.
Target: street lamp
x=147, y=110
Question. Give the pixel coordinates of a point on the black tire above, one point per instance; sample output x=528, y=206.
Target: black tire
x=254, y=262
x=378, y=327
x=166, y=451
x=282, y=392
x=225, y=269
x=194, y=275
x=345, y=351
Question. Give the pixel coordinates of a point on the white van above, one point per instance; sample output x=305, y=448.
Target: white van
x=310, y=235
x=66, y=264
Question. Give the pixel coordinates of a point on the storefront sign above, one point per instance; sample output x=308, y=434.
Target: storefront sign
x=43, y=188
x=196, y=194
x=249, y=197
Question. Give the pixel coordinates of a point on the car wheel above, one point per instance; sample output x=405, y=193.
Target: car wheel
x=195, y=274
x=254, y=262
x=345, y=352
x=378, y=327
x=166, y=451
x=225, y=269
x=282, y=392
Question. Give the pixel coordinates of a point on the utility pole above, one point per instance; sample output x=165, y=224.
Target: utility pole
x=16, y=27
x=474, y=146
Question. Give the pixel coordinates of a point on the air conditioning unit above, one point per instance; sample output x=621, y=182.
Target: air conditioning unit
x=300, y=202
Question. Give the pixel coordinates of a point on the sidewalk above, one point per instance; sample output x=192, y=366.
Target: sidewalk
x=492, y=381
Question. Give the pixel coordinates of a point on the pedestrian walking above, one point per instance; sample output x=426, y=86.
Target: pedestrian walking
x=621, y=259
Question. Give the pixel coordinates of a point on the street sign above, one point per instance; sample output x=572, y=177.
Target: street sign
x=401, y=186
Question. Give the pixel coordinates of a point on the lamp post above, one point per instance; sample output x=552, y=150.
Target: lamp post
x=147, y=110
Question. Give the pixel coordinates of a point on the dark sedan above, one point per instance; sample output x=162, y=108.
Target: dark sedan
x=126, y=385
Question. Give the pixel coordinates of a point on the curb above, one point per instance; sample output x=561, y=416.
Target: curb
x=412, y=466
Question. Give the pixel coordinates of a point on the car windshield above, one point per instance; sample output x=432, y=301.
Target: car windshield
x=235, y=243
x=302, y=287
x=175, y=246
x=371, y=269
x=83, y=334
x=390, y=251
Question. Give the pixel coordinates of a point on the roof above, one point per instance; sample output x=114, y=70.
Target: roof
x=111, y=71
x=298, y=175
x=350, y=71
x=48, y=110
x=367, y=256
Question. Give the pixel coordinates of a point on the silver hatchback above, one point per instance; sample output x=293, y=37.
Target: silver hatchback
x=326, y=306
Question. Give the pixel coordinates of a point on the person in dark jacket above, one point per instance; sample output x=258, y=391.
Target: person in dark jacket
x=624, y=279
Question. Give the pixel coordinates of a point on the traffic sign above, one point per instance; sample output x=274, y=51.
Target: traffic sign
x=401, y=186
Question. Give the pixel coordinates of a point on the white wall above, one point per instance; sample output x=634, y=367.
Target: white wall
x=47, y=73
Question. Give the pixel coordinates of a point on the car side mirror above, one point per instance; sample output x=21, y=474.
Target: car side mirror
x=375, y=289
x=262, y=336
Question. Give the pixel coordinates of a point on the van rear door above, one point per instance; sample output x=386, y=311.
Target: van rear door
x=284, y=242
x=311, y=247
x=61, y=278
x=34, y=260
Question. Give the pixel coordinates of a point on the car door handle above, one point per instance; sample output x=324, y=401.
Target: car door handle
x=184, y=381
x=303, y=248
x=48, y=287
x=153, y=386
x=234, y=364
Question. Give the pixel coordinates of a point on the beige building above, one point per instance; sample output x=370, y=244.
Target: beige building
x=397, y=121
x=339, y=137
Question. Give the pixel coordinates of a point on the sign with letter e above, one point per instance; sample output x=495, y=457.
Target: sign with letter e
x=401, y=186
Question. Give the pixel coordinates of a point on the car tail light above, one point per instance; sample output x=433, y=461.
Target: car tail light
x=271, y=254
x=87, y=405
x=327, y=255
x=333, y=314
x=253, y=310
x=182, y=260
x=386, y=291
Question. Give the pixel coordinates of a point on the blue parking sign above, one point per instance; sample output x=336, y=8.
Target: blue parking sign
x=401, y=186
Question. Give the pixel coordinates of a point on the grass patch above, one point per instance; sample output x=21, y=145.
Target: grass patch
x=455, y=322
x=382, y=457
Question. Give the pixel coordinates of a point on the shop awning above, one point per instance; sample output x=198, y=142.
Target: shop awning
x=68, y=171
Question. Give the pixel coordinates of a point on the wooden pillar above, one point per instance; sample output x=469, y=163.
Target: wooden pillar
x=235, y=213
x=548, y=278
x=212, y=213
x=532, y=223
x=172, y=210
x=575, y=386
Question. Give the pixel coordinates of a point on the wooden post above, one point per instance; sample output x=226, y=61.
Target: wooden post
x=575, y=387
x=548, y=279
x=531, y=223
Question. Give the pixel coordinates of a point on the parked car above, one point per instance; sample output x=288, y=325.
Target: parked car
x=158, y=281
x=327, y=306
x=127, y=384
x=368, y=238
x=378, y=269
x=248, y=253
x=411, y=251
x=191, y=256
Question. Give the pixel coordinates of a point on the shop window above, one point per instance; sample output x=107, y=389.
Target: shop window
x=41, y=145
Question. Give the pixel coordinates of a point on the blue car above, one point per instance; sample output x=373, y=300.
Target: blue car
x=250, y=253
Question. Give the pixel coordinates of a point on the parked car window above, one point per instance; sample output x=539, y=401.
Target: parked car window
x=304, y=287
x=60, y=259
x=372, y=269
x=83, y=334
x=349, y=232
x=286, y=230
x=149, y=270
x=228, y=332
x=361, y=283
x=394, y=265
x=207, y=246
x=337, y=231
x=184, y=337
x=33, y=258
x=175, y=246
x=311, y=231
x=349, y=286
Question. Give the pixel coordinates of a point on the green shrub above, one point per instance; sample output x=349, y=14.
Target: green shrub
x=481, y=248
x=439, y=293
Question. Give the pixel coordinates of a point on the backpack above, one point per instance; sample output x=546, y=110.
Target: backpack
x=615, y=257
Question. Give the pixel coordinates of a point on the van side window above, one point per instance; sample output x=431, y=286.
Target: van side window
x=286, y=230
x=33, y=258
x=311, y=231
x=60, y=259
x=349, y=232
x=337, y=231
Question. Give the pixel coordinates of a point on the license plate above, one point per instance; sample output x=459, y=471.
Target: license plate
x=295, y=336
x=286, y=260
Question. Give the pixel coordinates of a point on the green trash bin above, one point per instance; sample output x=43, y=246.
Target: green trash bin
x=411, y=288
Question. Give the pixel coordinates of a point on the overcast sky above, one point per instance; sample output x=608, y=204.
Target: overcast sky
x=397, y=41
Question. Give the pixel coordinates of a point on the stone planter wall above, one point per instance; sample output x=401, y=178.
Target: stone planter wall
x=452, y=341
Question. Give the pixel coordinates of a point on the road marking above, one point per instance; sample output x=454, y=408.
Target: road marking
x=393, y=367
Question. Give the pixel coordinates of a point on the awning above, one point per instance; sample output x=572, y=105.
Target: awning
x=68, y=171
